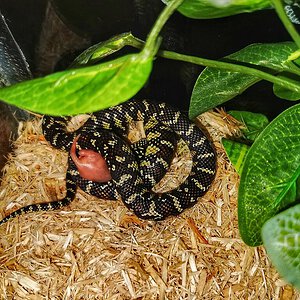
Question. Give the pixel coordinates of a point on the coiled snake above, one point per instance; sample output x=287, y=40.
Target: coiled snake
x=104, y=133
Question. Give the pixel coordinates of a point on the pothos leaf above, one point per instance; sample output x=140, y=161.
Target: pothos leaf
x=281, y=238
x=271, y=170
x=284, y=93
x=82, y=90
x=103, y=49
x=215, y=86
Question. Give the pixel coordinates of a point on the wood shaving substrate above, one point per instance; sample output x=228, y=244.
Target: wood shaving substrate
x=97, y=249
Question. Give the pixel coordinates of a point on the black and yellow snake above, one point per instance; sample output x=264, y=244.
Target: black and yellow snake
x=105, y=132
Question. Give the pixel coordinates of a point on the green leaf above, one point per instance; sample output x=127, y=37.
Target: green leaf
x=82, y=90
x=271, y=168
x=281, y=238
x=208, y=9
x=236, y=153
x=215, y=86
x=254, y=123
x=284, y=93
x=103, y=49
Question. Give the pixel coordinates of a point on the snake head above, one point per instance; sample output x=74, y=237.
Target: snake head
x=90, y=164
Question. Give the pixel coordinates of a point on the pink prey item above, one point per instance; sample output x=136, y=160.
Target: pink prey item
x=90, y=164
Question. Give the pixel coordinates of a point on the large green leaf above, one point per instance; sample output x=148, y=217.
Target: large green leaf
x=82, y=90
x=216, y=86
x=270, y=173
x=282, y=240
x=208, y=9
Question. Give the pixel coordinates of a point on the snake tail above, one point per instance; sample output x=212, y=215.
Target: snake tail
x=46, y=206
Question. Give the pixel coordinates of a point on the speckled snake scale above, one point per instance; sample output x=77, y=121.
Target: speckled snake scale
x=105, y=132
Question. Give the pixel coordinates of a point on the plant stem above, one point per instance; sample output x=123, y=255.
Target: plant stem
x=289, y=84
x=286, y=22
x=151, y=42
x=231, y=67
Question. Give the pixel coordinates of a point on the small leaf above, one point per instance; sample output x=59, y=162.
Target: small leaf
x=208, y=9
x=236, y=153
x=103, y=49
x=215, y=86
x=271, y=168
x=281, y=238
x=82, y=90
x=254, y=123
x=286, y=94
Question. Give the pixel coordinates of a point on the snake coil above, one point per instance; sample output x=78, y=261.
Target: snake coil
x=105, y=132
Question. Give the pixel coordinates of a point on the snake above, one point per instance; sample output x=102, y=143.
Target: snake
x=105, y=132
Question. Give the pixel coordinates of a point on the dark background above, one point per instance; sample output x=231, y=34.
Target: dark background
x=96, y=20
